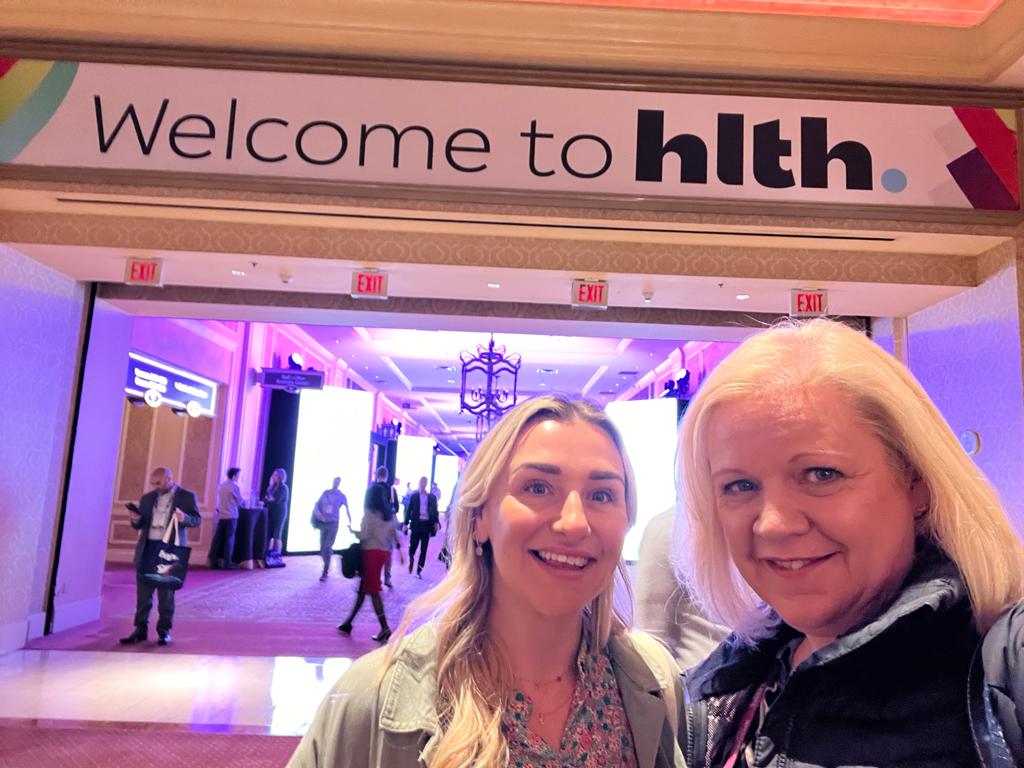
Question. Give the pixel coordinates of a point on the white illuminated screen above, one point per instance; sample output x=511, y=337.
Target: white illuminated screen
x=649, y=432
x=446, y=475
x=332, y=440
x=414, y=460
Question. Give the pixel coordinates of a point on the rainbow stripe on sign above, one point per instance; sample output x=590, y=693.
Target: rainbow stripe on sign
x=30, y=92
x=987, y=175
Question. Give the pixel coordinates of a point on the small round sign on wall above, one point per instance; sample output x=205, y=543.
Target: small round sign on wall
x=970, y=441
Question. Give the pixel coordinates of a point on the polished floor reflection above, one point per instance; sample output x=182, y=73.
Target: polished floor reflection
x=276, y=696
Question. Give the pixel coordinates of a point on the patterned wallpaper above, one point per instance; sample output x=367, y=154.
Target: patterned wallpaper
x=40, y=314
x=966, y=352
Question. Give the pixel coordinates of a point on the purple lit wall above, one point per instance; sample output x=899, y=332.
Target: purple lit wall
x=41, y=317
x=93, y=470
x=966, y=352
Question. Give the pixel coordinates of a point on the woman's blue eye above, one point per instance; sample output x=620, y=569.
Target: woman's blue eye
x=603, y=496
x=739, y=486
x=536, y=488
x=823, y=474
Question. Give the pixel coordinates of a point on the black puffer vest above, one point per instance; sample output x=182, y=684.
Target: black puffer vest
x=892, y=694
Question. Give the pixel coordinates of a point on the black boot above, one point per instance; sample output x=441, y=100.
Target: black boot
x=378, y=607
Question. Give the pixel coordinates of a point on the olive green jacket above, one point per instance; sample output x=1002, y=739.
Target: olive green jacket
x=394, y=724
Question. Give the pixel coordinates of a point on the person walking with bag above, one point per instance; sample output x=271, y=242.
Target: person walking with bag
x=378, y=536
x=167, y=504
x=326, y=518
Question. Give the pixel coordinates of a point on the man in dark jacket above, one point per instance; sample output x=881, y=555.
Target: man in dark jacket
x=157, y=510
x=421, y=519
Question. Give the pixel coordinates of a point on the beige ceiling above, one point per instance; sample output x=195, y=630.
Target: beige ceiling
x=325, y=34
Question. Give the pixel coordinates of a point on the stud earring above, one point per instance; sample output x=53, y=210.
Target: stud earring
x=921, y=513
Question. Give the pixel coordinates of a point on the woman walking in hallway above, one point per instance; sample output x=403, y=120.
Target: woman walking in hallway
x=377, y=536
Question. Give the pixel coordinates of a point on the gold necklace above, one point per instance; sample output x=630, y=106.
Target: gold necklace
x=539, y=686
x=542, y=715
x=541, y=683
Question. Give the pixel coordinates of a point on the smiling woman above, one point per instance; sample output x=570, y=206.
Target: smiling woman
x=871, y=576
x=524, y=661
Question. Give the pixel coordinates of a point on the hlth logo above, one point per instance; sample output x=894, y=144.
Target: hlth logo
x=769, y=149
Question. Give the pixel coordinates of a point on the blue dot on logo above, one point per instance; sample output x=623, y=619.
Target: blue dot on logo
x=894, y=180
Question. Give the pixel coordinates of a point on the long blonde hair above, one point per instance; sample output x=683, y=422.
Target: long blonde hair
x=473, y=681
x=965, y=517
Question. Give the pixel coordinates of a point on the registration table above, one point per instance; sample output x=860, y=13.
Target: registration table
x=250, y=537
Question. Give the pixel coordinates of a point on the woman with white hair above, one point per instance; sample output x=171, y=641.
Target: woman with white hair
x=523, y=661
x=870, y=576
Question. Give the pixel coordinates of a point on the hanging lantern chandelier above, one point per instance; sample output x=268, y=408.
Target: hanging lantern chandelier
x=489, y=381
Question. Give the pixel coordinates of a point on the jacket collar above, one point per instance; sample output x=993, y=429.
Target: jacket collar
x=640, y=687
x=934, y=583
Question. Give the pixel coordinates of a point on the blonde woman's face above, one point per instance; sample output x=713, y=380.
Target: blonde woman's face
x=817, y=521
x=556, y=519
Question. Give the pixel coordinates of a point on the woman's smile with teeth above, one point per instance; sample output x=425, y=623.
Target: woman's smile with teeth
x=795, y=564
x=555, y=558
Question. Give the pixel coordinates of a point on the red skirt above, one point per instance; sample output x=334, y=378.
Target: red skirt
x=373, y=564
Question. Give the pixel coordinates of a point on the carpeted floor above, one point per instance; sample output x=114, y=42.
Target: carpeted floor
x=278, y=612
x=30, y=746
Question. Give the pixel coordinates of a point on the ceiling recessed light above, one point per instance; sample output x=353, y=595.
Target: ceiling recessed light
x=445, y=368
x=451, y=381
x=494, y=285
x=237, y=273
x=742, y=296
x=547, y=371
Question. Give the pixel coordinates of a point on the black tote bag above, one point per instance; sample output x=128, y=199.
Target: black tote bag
x=163, y=563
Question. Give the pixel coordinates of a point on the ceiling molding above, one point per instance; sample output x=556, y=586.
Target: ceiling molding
x=496, y=34
x=214, y=297
x=39, y=189
x=593, y=258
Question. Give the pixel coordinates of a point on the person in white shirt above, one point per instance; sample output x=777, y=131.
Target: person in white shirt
x=326, y=519
x=225, y=522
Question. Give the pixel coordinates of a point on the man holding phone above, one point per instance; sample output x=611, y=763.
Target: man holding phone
x=156, y=510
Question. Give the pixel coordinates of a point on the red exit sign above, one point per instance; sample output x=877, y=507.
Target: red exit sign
x=144, y=272
x=369, y=284
x=813, y=303
x=589, y=293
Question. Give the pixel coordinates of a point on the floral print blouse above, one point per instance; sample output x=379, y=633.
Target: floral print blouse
x=596, y=733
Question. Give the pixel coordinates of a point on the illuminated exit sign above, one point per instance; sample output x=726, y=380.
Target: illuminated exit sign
x=144, y=272
x=590, y=293
x=812, y=303
x=369, y=284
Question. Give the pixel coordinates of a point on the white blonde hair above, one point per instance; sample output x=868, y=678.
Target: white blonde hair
x=473, y=681
x=965, y=517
